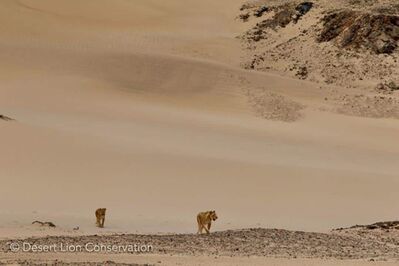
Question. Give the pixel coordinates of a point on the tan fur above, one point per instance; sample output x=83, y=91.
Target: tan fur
x=204, y=220
x=100, y=216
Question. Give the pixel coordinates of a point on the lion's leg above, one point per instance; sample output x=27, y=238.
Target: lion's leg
x=202, y=227
x=199, y=225
x=209, y=226
x=206, y=229
x=97, y=221
x=102, y=221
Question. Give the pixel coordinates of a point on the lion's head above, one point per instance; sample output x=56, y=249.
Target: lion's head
x=213, y=215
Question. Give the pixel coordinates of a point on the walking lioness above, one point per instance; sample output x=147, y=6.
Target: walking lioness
x=100, y=216
x=204, y=220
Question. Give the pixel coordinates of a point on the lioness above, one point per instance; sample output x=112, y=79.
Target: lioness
x=204, y=220
x=100, y=216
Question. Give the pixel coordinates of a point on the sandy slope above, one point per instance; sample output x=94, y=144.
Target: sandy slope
x=141, y=107
x=114, y=119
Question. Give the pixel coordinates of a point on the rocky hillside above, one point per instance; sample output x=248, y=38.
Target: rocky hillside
x=350, y=43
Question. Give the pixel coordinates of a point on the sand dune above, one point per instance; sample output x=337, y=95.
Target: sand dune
x=122, y=121
x=142, y=107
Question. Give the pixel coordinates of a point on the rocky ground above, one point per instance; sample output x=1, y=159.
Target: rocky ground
x=61, y=263
x=361, y=242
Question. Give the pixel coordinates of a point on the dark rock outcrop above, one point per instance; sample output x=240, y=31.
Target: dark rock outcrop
x=378, y=33
x=284, y=15
x=259, y=12
x=379, y=225
x=5, y=118
x=49, y=224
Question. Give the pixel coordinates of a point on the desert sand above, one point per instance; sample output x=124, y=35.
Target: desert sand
x=143, y=107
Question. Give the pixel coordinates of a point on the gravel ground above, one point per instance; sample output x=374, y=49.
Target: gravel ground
x=341, y=244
